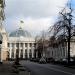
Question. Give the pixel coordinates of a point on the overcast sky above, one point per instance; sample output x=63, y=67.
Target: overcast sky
x=37, y=15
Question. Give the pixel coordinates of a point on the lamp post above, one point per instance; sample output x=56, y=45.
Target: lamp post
x=18, y=41
x=0, y=47
x=17, y=52
x=17, y=56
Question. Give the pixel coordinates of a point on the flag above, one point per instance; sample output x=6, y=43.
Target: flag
x=22, y=21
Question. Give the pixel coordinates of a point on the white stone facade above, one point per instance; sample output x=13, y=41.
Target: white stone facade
x=25, y=46
x=3, y=46
x=61, y=52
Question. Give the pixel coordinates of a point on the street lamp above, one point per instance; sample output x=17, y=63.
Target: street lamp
x=17, y=56
x=18, y=41
x=0, y=46
x=17, y=52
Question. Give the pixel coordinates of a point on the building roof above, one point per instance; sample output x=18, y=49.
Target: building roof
x=20, y=32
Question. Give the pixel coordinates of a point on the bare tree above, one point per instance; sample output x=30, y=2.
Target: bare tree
x=65, y=25
x=41, y=44
x=2, y=5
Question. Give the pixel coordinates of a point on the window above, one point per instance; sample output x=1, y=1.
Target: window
x=30, y=44
x=63, y=52
x=12, y=44
x=12, y=56
x=21, y=53
x=52, y=53
x=17, y=44
x=21, y=44
x=25, y=44
x=8, y=44
x=34, y=44
x=30, y=53
x=26, y=53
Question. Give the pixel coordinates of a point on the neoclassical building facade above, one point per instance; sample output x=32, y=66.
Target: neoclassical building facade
x=21, y=41
x=18, y=41
x=58, y=49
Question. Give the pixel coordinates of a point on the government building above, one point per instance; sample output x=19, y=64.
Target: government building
x=18, y=41
x=58, y=48
x=21, y=41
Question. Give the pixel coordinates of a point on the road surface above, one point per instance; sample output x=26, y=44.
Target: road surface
x=47, y=69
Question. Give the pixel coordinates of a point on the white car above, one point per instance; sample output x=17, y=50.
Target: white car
x=66, y=60
x=1, y=61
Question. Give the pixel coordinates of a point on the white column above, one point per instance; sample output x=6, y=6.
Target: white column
x=28, y=50
x=19, y=51
x=23, y=50
x=14, y=50
x=10, y=51
x=32, y=50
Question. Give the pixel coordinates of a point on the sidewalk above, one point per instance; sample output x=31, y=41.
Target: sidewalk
x=72, y=67
x=7, y=69
x=65, y=65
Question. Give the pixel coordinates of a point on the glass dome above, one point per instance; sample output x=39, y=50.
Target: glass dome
x=20, y=32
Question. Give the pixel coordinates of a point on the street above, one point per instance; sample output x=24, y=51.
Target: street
x=47, y=69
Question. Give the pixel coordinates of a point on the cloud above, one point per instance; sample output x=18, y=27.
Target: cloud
x=32, y=25
x=38, y=14
x=33, y=8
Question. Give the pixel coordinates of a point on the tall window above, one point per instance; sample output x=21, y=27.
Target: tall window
x=63, y=51
x=12, y=44
x=8, y=44
x=30, y=44
x=34, y=44
x=12, y=55
x=26, y=53
x=21, y=44
x=25, y=44
x=52, y=53
x=30, y=53
x=21, y=53
x=17, y=44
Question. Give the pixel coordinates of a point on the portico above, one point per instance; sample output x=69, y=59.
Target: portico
x=24, y=44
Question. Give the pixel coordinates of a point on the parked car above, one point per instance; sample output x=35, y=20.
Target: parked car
x=35, y=59
x=48, y=60
x=66, y=60
x=1, y=62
